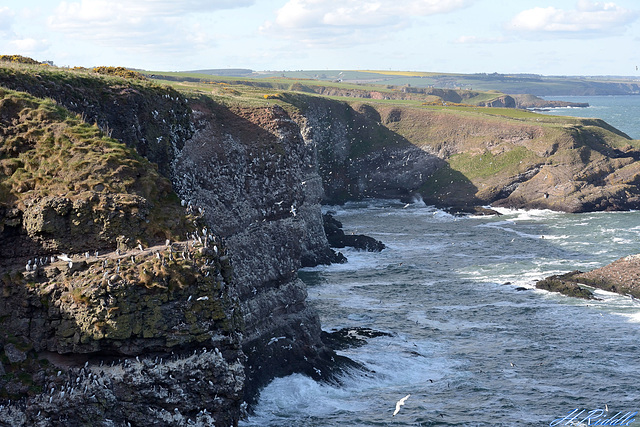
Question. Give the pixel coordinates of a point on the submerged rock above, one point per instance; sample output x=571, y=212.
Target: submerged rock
x=351, y=337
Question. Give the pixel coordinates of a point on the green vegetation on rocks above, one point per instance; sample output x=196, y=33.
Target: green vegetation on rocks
x=52, y=161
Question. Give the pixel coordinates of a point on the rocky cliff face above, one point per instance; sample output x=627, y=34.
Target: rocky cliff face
x=358, y=156
x=124, y=331
x=256, y=179
x=168, y=334
x=479, y=157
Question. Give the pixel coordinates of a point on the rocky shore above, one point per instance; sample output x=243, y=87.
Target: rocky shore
x=132, y=329
x=621, y=276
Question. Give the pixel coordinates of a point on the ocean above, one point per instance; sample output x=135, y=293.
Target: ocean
x=470, y=340
x=620, y=111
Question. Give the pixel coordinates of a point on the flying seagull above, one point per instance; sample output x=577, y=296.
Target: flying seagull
x=399, y=403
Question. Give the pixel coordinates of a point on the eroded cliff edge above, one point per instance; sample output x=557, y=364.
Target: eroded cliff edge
x=254, y=175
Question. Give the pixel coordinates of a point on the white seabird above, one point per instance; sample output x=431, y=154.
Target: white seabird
x=64, y=257
x=399, y=403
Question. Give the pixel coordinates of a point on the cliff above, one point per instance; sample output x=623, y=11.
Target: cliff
x=190, y=330
x=463, y=157
x=243, y=174
x=120, y=330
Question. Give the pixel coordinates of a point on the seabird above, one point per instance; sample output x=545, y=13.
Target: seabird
x=140, y=247
x=399, y=403
x=205, y=298
x=64, y=257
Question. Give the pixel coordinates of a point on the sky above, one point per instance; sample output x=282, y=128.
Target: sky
x=556, y=37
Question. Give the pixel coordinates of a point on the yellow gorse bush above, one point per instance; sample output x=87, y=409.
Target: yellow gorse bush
x=120, y=72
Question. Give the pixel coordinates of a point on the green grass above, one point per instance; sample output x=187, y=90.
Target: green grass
x=45, y=150
x=488, y=164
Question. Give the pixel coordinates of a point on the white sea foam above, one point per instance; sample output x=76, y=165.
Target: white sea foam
x=397, y=366
x=298, y=397
x=508, y=227
x=528, y=214
x=439, y=289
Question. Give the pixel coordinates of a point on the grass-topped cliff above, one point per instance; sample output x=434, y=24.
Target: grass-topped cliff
x=55, y=166
x=466, y=153
x=95, y=264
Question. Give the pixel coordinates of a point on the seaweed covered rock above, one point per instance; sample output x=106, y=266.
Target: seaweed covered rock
x=566, y=285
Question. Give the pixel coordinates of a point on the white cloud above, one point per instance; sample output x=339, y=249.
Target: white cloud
x=29, y=46
x=479, y=40
x=323, y=21
x=588, y=18
x=137, y=25
x=6, y=19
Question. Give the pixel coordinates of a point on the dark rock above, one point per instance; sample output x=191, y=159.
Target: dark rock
x=566, y=285
x=350, y=337
x=13, y=354
x=472, y=210
x=337, y=238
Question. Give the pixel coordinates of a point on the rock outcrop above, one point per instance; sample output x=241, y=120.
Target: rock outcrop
x=621, y=276
x=338, y=239
x=120, y=332
x=534, y=102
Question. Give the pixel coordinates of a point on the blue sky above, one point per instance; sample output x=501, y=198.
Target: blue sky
x=557, y=37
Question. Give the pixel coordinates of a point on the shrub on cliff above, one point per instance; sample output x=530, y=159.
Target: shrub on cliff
x=120, y=72
x=19, y=59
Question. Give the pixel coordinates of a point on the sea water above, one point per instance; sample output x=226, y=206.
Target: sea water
x=620, y=111
x=470, y=338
